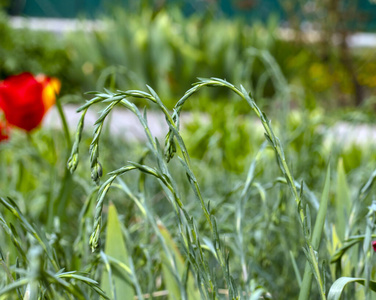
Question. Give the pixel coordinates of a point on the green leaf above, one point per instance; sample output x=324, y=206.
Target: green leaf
x=343, y=201
x=338, y=286
x=172, y=282
x=115, y=247
x=13, y=286
x=350, y=242
x=37, y=233
x=316, y=238
x=321, y=215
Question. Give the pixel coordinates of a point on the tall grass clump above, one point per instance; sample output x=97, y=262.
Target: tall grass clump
x=204, y=265
x=192, y=217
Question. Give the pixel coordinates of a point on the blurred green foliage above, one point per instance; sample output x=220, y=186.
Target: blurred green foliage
x=25, y=50
x=168, y=50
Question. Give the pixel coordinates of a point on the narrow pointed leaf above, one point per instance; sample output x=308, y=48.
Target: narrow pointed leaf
x=115, y=247
x=316, y=237
x=171, y=283
x=340, y=284
x=343, y=201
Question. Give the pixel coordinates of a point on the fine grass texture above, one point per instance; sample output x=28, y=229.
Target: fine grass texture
x=170, y=225
x=197, y=260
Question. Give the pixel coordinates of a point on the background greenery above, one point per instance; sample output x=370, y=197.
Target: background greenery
x=169, y=51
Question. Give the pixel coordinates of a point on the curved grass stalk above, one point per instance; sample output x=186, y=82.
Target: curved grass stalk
x=162, y=175
x=276, y=144
x=162, y=172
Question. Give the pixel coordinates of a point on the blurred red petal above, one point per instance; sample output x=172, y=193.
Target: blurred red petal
x=25, y=99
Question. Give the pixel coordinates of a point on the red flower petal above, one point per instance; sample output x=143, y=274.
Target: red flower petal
x=374, y=245
x=23, y=99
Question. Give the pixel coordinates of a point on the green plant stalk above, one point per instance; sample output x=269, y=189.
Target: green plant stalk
x=265, y=122
x=241, y=210
x=144, y=209
x=193, y=180
x=173, y=122
x=6, y=269
x=13, y=208
x=280, y=154
x=315, y=244
x=64, y=123
x=296, y=269
x=145, y=212
x=59, y=204
x=95, y=236
x=14, y=285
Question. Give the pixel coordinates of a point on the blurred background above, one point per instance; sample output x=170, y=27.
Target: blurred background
x=324, y=49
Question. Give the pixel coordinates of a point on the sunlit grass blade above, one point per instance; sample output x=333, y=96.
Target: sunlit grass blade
x=172, y=286
x=339, y=285
x=36, y=233
x=347, y=244
x=343, y=201
x=316, y=239
x=115, y=247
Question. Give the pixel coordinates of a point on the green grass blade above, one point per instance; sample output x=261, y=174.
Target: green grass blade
x=37, y=233
x=115, y=247
x=343, y=201
x=296, y=270
x=321, y=215
x=316, y=238
x=14, y=285
x=90, y=282
x=172, y=286
x=339, y=285
x=350, y=242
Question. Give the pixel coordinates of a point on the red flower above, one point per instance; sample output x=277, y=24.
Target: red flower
x=25, y=99
x=4, y=131
x=374, y=245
